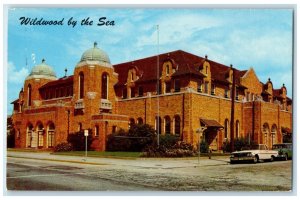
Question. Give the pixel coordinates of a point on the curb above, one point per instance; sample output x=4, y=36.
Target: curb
x=67, y=161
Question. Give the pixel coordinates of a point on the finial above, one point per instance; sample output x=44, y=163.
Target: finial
x=231, y=66
x=283, y=85
x=43, y=60
x=206, y=56
x=269, y=79
x=95, y=44
x=66, y=70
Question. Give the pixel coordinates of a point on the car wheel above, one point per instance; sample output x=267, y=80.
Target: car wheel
x=255, y=160
x=272, y=159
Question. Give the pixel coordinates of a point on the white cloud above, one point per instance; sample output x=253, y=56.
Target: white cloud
x=15, y=75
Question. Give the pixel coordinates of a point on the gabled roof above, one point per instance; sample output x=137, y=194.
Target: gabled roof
x=187, y=64
x=15, y=101
x=62, y=81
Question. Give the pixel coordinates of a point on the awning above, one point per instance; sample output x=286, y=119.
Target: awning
x=210, y=123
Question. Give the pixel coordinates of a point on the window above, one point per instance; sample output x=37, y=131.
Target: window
x=158, y=88
x=29, y=95
x=206, y=69
x=40, y=135
x=96, y=131
x=167, y=69
x=131, y=122
x=226, y=128
x=213, y=89
x=206, y=87
x=237, y=129
x=140, y=120
x=131, y=76
x=168, y=87
x=79, y=126
x=81, y=85
x=132, y=92
x=51, y=129
x=177, y=85
x=104, y=86
x=226, y=93
x=199, y=86
x=177, y=125
x=236, y=94
x=125, y=93
x=141, y=92
x=114, y=129
x=158, y=125
x=167, y=125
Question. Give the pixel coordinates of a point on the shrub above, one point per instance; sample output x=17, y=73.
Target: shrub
x=77, y=140
x=136, y=139
x=179, y=149
x=63, y=147
x=121, y=143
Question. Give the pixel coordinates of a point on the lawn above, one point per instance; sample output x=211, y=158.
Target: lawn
x=101, y=154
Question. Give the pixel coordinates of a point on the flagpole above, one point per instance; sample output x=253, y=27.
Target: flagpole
x=158, y=88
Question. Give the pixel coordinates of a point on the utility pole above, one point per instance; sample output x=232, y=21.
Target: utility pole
x=232, y=110
x=158, y=89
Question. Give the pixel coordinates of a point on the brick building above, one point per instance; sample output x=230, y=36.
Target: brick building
x=184, y=93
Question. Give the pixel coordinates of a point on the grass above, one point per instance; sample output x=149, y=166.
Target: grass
x=101, y=154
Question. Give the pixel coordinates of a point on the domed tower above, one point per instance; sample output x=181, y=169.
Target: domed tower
x=94, y=79
x=39, y=75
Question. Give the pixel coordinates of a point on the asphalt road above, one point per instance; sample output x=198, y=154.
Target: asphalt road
x=147, y=175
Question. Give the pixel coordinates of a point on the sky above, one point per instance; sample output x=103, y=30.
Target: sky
x=257, y=38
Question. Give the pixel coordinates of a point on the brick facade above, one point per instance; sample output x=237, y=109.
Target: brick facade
x=188, y=89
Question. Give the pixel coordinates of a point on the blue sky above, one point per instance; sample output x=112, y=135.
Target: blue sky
x=258, y=38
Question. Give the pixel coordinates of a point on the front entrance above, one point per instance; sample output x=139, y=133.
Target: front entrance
x=211, y=139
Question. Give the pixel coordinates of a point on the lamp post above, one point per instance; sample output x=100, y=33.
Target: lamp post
x=200, y=131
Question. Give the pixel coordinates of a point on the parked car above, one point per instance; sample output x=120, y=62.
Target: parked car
x=255, y=154
x=284, y=151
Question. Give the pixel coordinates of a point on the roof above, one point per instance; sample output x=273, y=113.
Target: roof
x=15, y=101
x=42, y=70
x=185, y=63
x=62, y=81
x=211, y=123
x=95, y=54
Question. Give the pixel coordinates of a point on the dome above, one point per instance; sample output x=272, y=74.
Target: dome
x=95, y=54
x=42, y=71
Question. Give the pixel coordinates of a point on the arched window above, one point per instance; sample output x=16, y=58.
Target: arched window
x=177, y=125
x=79, y=127
x=29, y=95
x=273, y=135
x=226, y=128
x=158, y=125
x=81, y=85
x=131, y=122
x=167, y=69
x=237, y=129
x=266, y=132
x=96, y=131
x=104, y=86
x=29, y=135
x=167, y=125
x=140, y=120
x=40, y=135
x=51, y=130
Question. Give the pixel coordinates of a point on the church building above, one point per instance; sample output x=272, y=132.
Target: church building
x=176, y=92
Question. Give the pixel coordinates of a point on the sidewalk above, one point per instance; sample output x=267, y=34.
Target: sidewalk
x=163, y=163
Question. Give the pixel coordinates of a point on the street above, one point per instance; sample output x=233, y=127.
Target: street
x=62, y=173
